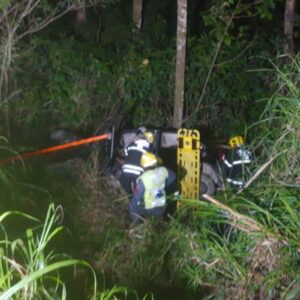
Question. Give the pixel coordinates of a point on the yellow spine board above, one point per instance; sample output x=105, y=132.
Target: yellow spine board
x=188, y=162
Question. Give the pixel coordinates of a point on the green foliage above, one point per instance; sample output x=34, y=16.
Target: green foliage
x=30, y=267
x=72, y=87
x=148, y=82
x=277, y=132
x=210, y=250
x=4, y=4
x=231, y=88
x=79, y=84
x=25, y=264
x=121, y=293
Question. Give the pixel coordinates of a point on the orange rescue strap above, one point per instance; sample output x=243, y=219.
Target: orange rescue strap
x=57, y=148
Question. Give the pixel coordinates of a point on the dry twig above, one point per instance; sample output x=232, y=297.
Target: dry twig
x=238, y=220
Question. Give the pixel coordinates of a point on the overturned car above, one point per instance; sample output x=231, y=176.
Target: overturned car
x=200, y=169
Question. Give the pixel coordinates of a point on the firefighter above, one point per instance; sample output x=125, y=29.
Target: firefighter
x=132, y=168
x=149, y=197
x=235, y=162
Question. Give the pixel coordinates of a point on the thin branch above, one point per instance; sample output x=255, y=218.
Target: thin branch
x=244, y=223
x=44, y=24
x=213, y=63
x=238, y=220
x=11, y=96
x=259, y=171
x=8, y=12
x=26, y=11
x=215, y=57
x=238, y=56
x=252, y=4
x=245, y=17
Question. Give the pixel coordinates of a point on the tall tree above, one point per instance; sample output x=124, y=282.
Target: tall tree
x=137, y=11
x=180, y=63
x=289, y=16
x=80, y=14
x=80, y=20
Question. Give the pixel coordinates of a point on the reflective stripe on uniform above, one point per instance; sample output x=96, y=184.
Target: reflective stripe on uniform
x=236, y=162
x=235, y=182
x=240, y=162
x=132, y=169
x=142, y=143
x=227, y=163
x=128, y=171
x=136, y=149
x=139, y=145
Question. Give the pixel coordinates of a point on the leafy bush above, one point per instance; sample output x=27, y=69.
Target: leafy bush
x=72, y=85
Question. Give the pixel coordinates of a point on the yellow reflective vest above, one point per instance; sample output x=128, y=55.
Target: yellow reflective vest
x=154, y=183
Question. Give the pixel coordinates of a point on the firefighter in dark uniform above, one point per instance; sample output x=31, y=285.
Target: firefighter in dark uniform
x=236, y=161
x=132, y=168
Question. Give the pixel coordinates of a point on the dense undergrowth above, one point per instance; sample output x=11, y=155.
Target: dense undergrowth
x=242, y=245
x=128, y=79
x=78, y=88
x=32, y=264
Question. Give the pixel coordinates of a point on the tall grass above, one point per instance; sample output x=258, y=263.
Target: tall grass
x=264, y=263
x=29, y=269
x=246, y=244
x=278, y=130
x=247, y=247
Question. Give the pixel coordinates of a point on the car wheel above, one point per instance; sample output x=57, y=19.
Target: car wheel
x=206, y=185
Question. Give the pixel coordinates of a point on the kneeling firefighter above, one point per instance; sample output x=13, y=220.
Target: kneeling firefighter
x=149, y=197
x=132, y=168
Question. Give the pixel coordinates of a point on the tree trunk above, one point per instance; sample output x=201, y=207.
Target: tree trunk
x=80, y=22
x=180, y=62
x=80, y=16
x=80, y=19
x=289, y=26
x=137, y=10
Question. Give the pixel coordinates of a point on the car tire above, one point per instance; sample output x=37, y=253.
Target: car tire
x=206, y=185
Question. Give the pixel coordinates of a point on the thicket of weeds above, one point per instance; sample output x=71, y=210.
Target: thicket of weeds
x=242, y=245
x=36, y=254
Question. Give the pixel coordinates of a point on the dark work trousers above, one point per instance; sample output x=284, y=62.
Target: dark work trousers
x=127, y=181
